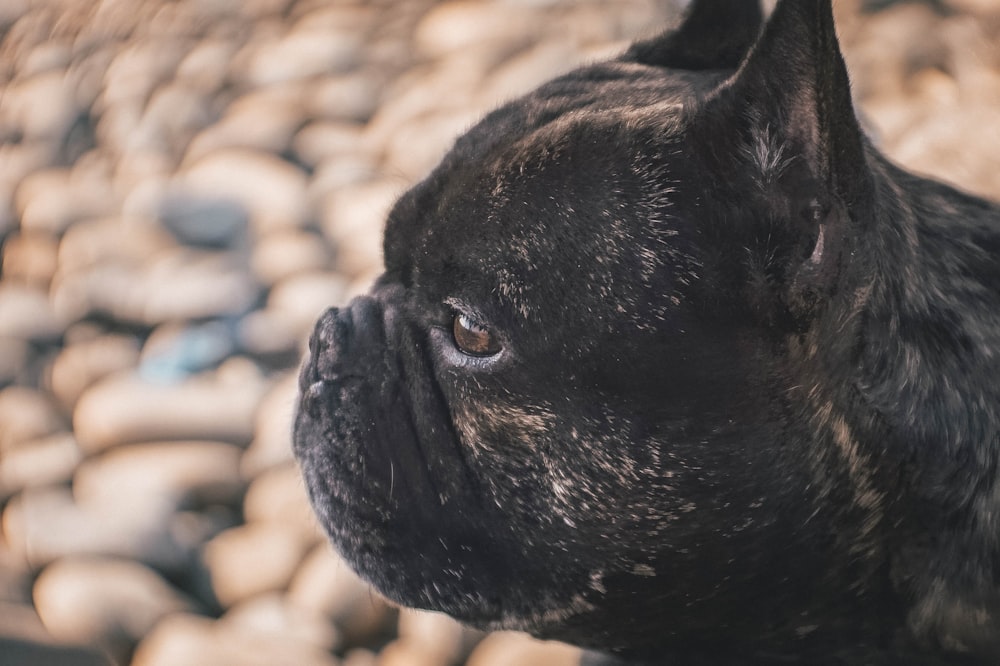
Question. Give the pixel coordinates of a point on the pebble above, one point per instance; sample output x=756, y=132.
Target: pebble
x=13, y=359
x=463, y=24
x=325, y=584
x=174, y=352
x=107, y=603
x=272, y=442
x=110, y=240
x=28, y=314
x=79, y=366
x=287, y=252
x=26, y=415
x=442, y=639
x=302, y=298
x=303, y=54
x=46, y=461
x=192, y=640
x=347, y=97
x=40, y=107
x=278, y=495
x=321, y=140
x=271, y=189
x=210, y=223
x=353, y=218
x=124, y=409
x=30, y=259
x=252, y=559
x=271, y=615
x=516, y=649
x=50, y=200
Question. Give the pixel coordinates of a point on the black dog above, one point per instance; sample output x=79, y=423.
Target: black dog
x=669, y=362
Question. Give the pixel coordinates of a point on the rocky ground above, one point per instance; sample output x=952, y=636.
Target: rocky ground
x=184, y=186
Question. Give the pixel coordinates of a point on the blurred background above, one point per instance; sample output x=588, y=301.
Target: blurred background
x=184, y=186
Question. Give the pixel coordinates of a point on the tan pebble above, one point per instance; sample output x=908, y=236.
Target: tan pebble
x=104, y=602
x=28, y=314
x=252, y=559
x=270, y=614
x=42, y=106
x=50, y=200
x=352, y=97
x=302, y=298
x=326, y=584
x=461, y=24
x=46, y=461
x=516, y=649
x=272, y=441
x=14, y=354
x=79, y=366
x=405, y=652
x=303, y=54
x=30, y=258
x=125, y=409
x=284, y=253
x=278, y=495
x=435, y=633
x=26, y=415
x=272, y=190
x=198, y=641
x=161, y=474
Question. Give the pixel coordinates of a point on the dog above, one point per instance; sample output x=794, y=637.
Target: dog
x=670, y=363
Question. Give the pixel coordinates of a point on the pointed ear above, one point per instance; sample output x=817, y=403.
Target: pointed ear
x=715, y=34
x=785, y=119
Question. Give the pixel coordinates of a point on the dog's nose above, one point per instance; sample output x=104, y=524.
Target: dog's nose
x=329, y=339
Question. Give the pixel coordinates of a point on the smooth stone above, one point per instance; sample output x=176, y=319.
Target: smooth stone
x=267, y=334
x=124, y=409
x=339, y=171
x=206, y=66
x=161, y=477
x=322, y=140
x=528, y=70
x=263, y=120
x=108, y=603
x=198, y=641
x=405, y=652
x=138, y=69
x=173, y=115
x=109, y=240
x=14, y=355
x=179, y=284
x=41, y=525
x=353, y=218
x=302, y=298
x=353, y=97
x=79, y=366
x=50, y=200
x=206, y=222
x=417, y=146
x=457, y=25
x=41, y=107
x=252, y=559
x=271, y=615
x=325, y=584
x=287, y=252
x=272, y=190
x=436, y=635
x=278, y=495
x=30, y=259
x=28, y=314
x=174, y=352
x=272, y=441
x=507, y=648
x=26, y=415
x=46, y=461
x=303, y=54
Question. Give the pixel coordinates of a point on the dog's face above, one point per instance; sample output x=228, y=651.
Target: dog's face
x=575, y=396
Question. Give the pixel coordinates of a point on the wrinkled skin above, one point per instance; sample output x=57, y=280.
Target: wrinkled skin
x=741, y=401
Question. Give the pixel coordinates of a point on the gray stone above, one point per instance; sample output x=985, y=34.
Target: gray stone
x=206, y=222
x=174, y=352
x=107, y=603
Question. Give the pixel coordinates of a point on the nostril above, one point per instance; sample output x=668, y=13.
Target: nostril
x=313, y=398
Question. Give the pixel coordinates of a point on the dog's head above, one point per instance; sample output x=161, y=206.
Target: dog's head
x=576, y=394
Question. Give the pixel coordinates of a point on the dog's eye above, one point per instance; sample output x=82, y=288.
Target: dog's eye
x=473, y=338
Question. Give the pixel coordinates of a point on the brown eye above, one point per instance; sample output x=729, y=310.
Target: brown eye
x=473, y=339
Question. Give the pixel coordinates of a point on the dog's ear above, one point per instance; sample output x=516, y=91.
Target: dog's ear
x=790, y=123
x=715, y=34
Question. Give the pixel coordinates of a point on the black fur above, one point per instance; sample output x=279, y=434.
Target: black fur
x=747, y=406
